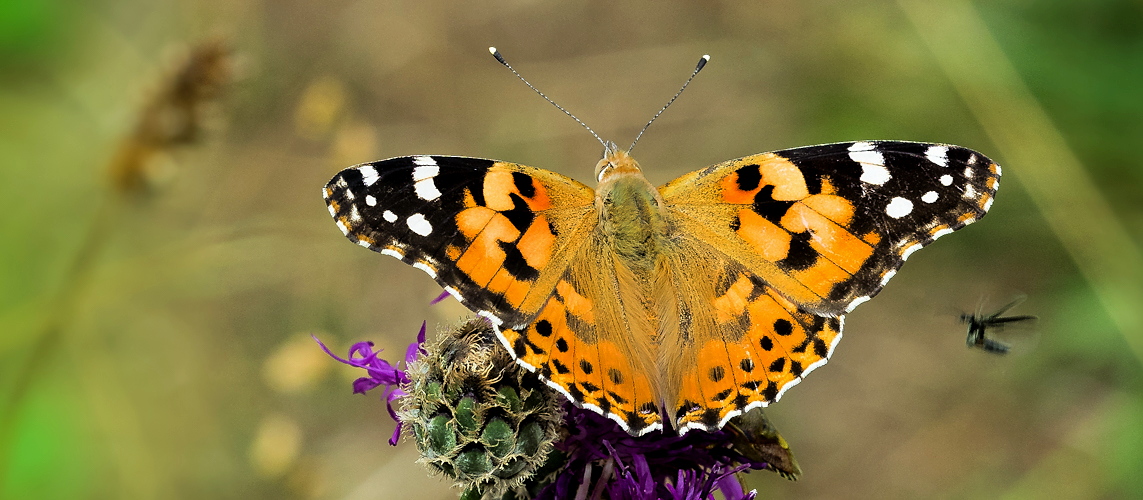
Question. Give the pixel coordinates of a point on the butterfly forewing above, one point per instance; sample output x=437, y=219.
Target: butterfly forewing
x=829, y=225
x=497, y=235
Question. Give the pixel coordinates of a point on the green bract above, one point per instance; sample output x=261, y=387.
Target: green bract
x=476, y=415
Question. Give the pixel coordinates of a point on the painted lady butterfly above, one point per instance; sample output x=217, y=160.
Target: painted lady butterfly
x=700, y=299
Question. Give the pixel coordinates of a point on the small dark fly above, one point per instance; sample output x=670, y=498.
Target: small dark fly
x=981, y=328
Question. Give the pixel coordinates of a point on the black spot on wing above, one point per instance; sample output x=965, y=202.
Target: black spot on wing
x=617, y=398
x=771, y=391
x=521, y=216
x=524, y=184
x=747, y=365
x=766, y=343
x=561, y=368
x=516, y=265
x=575, y=393
x=717, y=373
x=586, y=366
x=616, y=376
x=801, y=254
x=768, y=207
x=604, y=404
x=710, y=418
x=748, y=177
x=544, y=328
x=778, y=366
x=783, y=327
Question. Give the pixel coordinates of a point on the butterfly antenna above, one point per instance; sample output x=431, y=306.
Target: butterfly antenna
x=496, y=54
x=702, y=62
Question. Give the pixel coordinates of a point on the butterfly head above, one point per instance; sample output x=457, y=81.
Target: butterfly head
x=615, y=162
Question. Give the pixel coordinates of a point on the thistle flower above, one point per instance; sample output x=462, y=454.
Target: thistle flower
x=501, y=433
x=381, y=373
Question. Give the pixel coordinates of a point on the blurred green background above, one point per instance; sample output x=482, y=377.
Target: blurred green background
x=154, y=343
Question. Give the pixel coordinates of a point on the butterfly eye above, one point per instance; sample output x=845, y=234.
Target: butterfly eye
x=603, y=171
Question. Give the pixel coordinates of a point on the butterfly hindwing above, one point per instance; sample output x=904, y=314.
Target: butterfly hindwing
x=745, y=343
x=593, y=344
x=829, y=225
x=495, y=234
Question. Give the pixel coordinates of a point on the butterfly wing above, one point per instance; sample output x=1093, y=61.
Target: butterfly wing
x=593, y=340
x=739, y=343
x=496, y=235
x=829, y=225
x=793, y=240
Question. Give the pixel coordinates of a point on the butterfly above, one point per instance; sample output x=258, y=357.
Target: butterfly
x=688, y=303
x=980, y=324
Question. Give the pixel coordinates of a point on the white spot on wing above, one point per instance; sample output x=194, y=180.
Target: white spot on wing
x=424, y=160
x=988, y=204
x=998, y=170
x=938, y=155
x=942, y=232
x=418, y=224
x=425, y=171
x=888, y=276
x=427, y=189
x=898, y=207
x=349, y=194
x=968, y=172
x=424, y=267
x=369, y=174
x=873, y=174
x=364, y=243
x=389, y=216
x=872, y=162
x=909, y=251
x=929, y=197
x=341, y=226
x=370, y=200
x=452, y=291
x=856, y=302
x=946, y=180
x=393, y=253
x=969, y=192
x=354, y=215
x=332, y=212
x=491, y=317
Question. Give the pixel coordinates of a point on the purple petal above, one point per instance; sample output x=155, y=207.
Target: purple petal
x=442, y=296
x=396, y=437
x=414, y=349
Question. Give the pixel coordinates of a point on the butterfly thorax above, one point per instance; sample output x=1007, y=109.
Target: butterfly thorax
x=631, y=214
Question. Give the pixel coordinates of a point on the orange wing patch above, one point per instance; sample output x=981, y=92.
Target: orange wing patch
x=759, y=345
x=565, y=347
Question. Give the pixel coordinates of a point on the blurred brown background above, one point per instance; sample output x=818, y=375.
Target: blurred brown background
x=155, y=320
